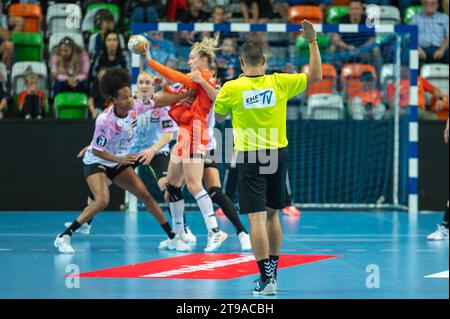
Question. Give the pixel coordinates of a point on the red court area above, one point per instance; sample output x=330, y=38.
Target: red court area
x=200, y=266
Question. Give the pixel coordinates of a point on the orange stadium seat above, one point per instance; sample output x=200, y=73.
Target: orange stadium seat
x=311, y=13
x=31, y=13
x=328, y=83
x=350, y=75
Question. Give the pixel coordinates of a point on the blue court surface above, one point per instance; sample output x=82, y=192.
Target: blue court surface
x=370, y=255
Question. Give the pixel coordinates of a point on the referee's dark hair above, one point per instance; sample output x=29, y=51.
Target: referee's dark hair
x=114, y=80
x=252, y=53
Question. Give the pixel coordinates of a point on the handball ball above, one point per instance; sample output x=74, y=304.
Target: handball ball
x=136, y=44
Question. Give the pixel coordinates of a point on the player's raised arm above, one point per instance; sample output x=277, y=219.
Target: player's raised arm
x=315, y=61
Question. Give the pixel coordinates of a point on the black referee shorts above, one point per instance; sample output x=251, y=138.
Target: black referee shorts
x=262, y=180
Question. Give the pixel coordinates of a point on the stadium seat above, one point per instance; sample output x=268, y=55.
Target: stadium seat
x=437, y=74
x=27, y=46
x=88, y=20
x=325, y=107
x=298, y=13
x=17, y=76
x=411, y=12
x=57, y=15
x=328, y=83
x=31, y=13
x=350, y=74
x=302, y=45
x=335, y=14
x=55, y=38
x=71, y=105
x=15, y=101
x=388, y=14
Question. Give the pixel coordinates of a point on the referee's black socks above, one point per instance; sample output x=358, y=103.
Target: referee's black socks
x=274, y=264
x=73, y=228
x=265, y=269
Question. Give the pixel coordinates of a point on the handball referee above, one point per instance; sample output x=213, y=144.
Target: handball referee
x=257, y=104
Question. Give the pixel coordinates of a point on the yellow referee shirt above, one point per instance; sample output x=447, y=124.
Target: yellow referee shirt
x=258, y=108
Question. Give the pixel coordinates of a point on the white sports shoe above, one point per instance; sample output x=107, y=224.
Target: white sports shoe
x=164, y=244
x=178, y=244
x=85, y=229
x=244, y=239
x=440, y=234
x=192, y=239
x=63, y=244
x=215, y=240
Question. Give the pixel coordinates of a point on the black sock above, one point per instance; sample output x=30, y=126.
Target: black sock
x=445, y=221
x=168, y=230
x=73, y=228
x=274, y=263
x=219, y=198
x=89, y=222
x=264, y=269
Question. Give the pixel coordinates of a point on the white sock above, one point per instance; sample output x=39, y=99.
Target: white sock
x=177, y=211
x=207, y=209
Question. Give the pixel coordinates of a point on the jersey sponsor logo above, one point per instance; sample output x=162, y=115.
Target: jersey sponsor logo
x=154, y=116
x=200, y=266
x=167, y=123
x=101, y=140
x=133, y=115
x=257, y=99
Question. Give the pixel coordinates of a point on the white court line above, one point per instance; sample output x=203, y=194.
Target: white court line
x=109, y=250
x=309, y=227
x=427, y=250
x=6, y=249
x=322, y=250
x=357, y=250
x=38, y=249
x=443, y=274
x=288, y=250
x=390, y=250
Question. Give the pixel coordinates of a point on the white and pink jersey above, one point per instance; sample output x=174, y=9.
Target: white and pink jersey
x=114, y=134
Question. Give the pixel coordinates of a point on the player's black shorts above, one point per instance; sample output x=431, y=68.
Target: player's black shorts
x=111, y=172
x=262, y=181
x=210, y=160
x=159, y=165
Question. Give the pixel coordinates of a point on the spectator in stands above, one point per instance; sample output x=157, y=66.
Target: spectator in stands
x=105, y=21
x=262, y=10
x=31, y=101
x=220, y=14
x=3, y=101
x=16, y=24
x=69, y=67
x=378, y=2
x=433, y=33
x=97, y=103
x=161, y=50
x=424, y=86
x=112, y=55
x=194, y=12
x=228, y=64
x=358, y=44
x=144, y=11
x=6, y=46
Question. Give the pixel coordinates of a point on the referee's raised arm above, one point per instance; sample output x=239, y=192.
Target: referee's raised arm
x=315, y=62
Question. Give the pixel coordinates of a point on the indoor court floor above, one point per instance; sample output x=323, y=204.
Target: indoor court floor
x=324, y=255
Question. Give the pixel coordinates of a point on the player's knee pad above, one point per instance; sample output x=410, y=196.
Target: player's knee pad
x=216, y=194
x=175, y=193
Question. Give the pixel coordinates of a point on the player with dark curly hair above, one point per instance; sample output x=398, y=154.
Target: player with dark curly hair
x=108, y=156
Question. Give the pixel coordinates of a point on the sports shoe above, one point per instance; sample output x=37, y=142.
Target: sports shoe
x=191, y=238
x=63, y=244
x=291, y=211
x=267, y=287
x=219, y=212
x=215, y=239
x=244, y=239
x=164, y=244
x=440, y=234
x=178, y=244
x=85, y=229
